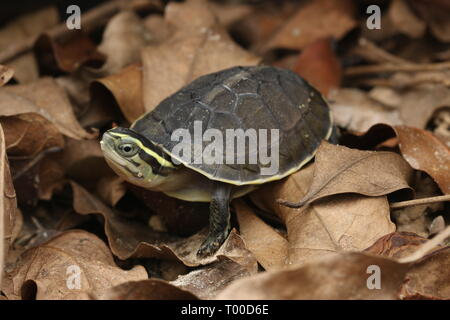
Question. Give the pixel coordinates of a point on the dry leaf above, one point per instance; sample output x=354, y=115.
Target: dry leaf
x=129, y=98
x=436, y=14
x=340, y=276
x=319, y=65
x=423, y=151
x=429, y=278
x=81, y=154
x=45, y=98
x=210, y=280
x=50, y=267
x=28, y=134
x=150, y=289
x=66, y=54
x=111, y=189
x=25, y=27
x=340, y=169
x=8, y=206
x=340, y=223
x=404, y=20
x=316, y=20
x=396, y=245
x=418, y=104
x=133, y=239
x=198, y=46
x=354, y=110
x=268, y=246
x=6, y=74
x=123, y=38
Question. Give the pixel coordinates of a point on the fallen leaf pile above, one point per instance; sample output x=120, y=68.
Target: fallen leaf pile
x=378, y=201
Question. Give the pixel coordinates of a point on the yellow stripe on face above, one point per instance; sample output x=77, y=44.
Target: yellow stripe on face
x=163, y=162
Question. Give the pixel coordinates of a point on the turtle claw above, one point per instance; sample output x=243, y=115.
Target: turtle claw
x=211, y=245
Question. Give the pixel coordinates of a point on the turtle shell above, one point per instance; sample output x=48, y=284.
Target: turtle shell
x=257, y=97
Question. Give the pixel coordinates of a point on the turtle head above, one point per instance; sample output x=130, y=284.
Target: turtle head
x=135, y=158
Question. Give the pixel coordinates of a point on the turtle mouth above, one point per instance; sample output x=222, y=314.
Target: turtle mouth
x=127, y=167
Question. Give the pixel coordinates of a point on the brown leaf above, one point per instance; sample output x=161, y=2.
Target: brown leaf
x=268, y=246
x=339, y=276
x=319, y=65
x=129, y=98
x=436, y=14
x=111, y=189
x=429, y=278
x=28, y=134
x=198, y=46
x=340, y=169
x=45, y=98
x=404, y=20
x=25, y=27
x=418, y=104
x=124, y=36
x=133, y=239
x=47, y=267
x=354, y=110
x=6, y=74
x=8, y=206
x=83, y=161
x=316, y=20
x=340, y=223
x=208, y=281
x=423, y=151
x=67, y=53
x=150, y=289
x=396, y=245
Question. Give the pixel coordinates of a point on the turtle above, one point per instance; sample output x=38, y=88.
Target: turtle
x=210, y=141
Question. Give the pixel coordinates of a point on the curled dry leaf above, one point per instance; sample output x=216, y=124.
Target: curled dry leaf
x=133, y=239
x=339, y=276
x=319, y=65
x=339, y=223
x=315, y=20
x=198, y=46
x=429, y=278
x=8, y=206
x=124, y=36
x=129, y=97
x=396, y=245
x=66, y=54
x=150, y=289
x=45, y=98
x=426, y=278
x=268, y=246
x=6, y=74
x=50, y=267
x=420, y=148
x=339, y=169
x=423, y=151
x=29, y=134
x=208, y=281
x=20, y=29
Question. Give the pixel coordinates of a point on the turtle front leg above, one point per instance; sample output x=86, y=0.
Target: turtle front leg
x=219, y=220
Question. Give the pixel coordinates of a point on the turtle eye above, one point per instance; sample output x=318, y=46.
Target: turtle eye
x=127, y=149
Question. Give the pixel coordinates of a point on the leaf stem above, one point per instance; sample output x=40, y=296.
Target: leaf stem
x=415, y=202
